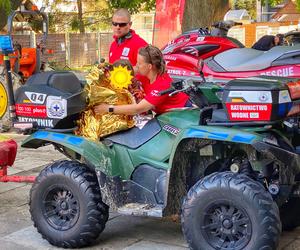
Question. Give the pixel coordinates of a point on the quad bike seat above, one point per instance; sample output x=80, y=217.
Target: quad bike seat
x=61, y=80
x=135, y=137
x=246, y=59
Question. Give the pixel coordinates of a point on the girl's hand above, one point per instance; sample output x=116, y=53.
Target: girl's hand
x=101, y=109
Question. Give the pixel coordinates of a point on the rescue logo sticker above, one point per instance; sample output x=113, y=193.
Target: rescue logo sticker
x=264, y=97
x=36, y=98
x=125, y=51
x=56, y=107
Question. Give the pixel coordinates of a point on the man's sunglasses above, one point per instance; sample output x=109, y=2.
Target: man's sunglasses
x=119, y=24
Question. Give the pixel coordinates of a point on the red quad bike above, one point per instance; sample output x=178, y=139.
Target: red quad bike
x=226, y=58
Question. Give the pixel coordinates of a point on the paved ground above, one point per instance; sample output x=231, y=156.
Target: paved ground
x=122, y=232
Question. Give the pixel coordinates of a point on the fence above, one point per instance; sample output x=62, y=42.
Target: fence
x=77, y=50
x=73, y=50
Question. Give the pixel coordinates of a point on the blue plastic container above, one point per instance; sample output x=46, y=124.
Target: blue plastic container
x=6, y=44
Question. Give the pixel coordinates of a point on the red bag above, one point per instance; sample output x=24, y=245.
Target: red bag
x=8, y=152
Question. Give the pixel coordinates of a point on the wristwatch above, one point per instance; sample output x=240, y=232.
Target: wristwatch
x=110, y=109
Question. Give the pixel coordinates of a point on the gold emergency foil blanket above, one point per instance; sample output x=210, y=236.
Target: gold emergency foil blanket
x=99, y=90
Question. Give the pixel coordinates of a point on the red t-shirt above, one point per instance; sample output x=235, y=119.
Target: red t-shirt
x=128, y=49
x=164, y=102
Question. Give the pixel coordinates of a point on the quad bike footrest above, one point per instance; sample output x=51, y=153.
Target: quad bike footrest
x=138, y=209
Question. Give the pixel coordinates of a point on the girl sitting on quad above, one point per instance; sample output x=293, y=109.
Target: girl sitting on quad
x=151, y=72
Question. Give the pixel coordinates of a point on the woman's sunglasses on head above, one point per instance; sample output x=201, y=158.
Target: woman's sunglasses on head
x=119, y=24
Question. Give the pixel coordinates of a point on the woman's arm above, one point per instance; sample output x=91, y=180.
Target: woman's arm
x=130, y=109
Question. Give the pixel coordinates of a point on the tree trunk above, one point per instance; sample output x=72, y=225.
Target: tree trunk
x=80, y=16
x=14, y=5
x=203, y=13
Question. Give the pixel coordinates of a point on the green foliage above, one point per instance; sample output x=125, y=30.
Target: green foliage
x=249, y=5
x=271, y=2
x=298, y=5
x=5, y=6
x=133, y=6
x=95, y=15
x=75, y=24
x=239, y=4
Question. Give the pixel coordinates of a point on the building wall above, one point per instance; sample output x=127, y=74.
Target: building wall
x=143, y=25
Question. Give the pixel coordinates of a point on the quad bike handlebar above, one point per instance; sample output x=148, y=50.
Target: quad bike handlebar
x=180, y=86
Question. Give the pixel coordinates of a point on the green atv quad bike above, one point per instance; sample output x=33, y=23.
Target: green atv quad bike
x=230, y=166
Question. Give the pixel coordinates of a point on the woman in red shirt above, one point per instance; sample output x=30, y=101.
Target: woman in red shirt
x=151, y=69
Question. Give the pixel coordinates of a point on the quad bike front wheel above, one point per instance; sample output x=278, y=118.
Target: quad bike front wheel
x=66, y=205
x=230, y=211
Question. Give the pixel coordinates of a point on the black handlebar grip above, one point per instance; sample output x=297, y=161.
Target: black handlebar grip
x=167, y=91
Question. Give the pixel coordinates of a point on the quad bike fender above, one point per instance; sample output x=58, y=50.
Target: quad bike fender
x=241, y=136
x=187, y=140
x=94, y=153
x=218, y=134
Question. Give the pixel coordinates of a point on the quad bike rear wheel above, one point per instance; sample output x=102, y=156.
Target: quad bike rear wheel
x=5, y=122
x=230, y=211
x=66, y=205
